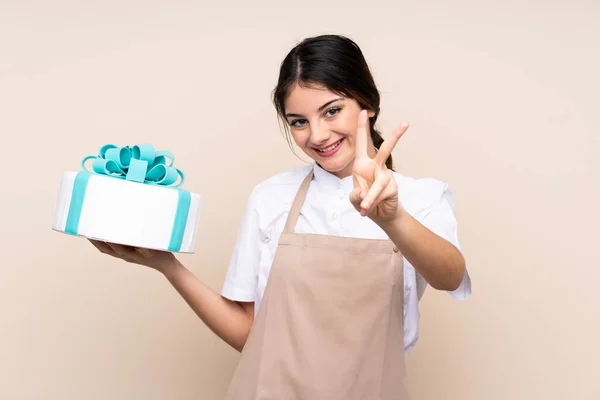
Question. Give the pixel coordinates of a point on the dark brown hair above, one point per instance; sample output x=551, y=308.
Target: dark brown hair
x=337, y=63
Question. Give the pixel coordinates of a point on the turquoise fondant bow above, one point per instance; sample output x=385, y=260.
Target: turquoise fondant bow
x=140, y=163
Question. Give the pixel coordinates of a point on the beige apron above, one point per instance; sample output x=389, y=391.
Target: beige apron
x=330, y=326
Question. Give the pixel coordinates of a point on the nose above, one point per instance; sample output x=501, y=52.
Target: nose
x=319, y=134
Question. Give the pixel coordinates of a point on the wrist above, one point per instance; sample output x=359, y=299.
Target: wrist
x=170, y=268
x=393, y=223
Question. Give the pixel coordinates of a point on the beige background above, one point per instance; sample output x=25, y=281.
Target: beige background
x=502, y=100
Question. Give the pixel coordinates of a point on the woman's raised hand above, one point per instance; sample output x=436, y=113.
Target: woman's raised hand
x=375, y=191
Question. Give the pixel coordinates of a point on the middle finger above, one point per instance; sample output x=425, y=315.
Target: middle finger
x=122, y=250
x=388, y=144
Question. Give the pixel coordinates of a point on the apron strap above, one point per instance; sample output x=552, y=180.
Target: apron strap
x=290, y=224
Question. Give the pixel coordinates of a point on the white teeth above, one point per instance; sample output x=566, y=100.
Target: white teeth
x=326, y=149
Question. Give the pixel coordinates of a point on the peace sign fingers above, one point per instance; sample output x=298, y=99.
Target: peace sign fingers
x=388, y=144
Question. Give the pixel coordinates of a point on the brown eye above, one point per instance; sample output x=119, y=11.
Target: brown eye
x=332, y=111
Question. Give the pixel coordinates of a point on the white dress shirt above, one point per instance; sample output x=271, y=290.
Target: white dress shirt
x=327, y=210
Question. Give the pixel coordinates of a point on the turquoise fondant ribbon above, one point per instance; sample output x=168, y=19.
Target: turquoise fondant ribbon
x=139, y=163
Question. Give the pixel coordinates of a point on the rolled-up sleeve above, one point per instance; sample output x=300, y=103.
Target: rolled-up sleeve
x=441, y=219
x=242, y=274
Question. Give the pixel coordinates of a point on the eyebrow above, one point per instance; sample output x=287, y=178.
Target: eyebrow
x=319, y=109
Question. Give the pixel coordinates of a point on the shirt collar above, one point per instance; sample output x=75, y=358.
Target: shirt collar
x=329, y=182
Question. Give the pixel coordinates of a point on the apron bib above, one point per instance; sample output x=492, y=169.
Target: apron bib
x=330, y=326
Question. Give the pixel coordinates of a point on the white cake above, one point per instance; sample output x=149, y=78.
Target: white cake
x=116, y=210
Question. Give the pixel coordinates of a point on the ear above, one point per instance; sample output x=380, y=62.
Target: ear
x=371, y=113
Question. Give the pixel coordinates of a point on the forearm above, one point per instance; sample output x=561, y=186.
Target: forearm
x=226, y=318
x=434, y=258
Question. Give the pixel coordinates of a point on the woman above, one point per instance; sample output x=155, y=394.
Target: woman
x=321, y=295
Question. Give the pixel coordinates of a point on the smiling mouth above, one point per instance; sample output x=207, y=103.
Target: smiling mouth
x=330, y=148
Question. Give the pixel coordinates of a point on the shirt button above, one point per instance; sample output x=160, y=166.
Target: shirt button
x=334, y=216
x=395, y=249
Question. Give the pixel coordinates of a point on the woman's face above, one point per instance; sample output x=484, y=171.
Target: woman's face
x=323, y=124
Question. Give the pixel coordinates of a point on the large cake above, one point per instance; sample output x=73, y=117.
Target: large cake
x=132, y=195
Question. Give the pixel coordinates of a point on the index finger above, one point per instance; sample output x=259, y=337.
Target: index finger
x=388, y=144
x=361, y=134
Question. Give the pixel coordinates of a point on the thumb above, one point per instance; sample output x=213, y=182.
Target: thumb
x=356, y=198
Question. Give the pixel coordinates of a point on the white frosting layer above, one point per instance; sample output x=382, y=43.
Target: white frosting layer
x=118, y=211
